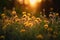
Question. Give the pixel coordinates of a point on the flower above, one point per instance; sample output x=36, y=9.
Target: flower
x=39, y=19
x=2, y=14
x=13, y=12
x=46, y=26
x=39, y=36
x=46, y=21
x=29, y=14
x=23, y=13
x=28, y=24
x=24, y=16
x=33, y=17
x=49, y=29
x=22, y=30
x=50, y=15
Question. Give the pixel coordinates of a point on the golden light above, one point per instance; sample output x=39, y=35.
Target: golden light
x=20, y=1
x=39, y=0
x=32, y=2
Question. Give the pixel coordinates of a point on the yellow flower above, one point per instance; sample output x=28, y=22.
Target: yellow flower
x=33, y=17
x=13, y=12
x=39, y=36
x=36, y=21
x=46, y=21
x=29, y=19
x=30, y=25
x=15, y=16
x=49, y=29
x=29, y=14
x=2, y=14
x=24, y=16
x=23, y=13
x=17, y=20
x=22, y=30
x=26, y=23
x=46, y=26
x=39, y=19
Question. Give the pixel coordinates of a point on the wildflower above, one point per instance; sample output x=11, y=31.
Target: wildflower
x=13, y=12
x=22, y=30
x=30, y=25
x=33, y=17
x=39, y=19
x=46, y=26
x=29, y=14
x=15, y=16
x=39, y=36
x=23, y=13
x=29, y=19
x=17, y=20
x=50, y=15
x=2, y=14
x=46, y=21
x=24, y=16
x=49, y=29
x=26, y=23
